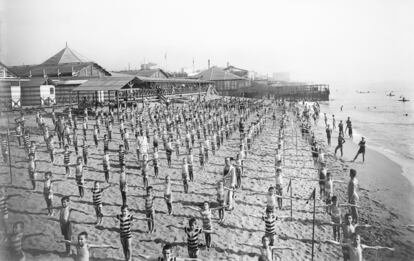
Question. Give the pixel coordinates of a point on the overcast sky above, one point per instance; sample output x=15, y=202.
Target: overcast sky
x=325, y=41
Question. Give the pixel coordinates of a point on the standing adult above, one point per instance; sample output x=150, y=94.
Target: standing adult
x=361, y=150
x=230, y=181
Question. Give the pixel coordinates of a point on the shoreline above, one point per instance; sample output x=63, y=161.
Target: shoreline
x=378, y=173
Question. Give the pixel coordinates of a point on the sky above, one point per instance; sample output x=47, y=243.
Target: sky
x=315, y=41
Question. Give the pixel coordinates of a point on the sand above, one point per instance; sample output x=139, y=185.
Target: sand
x=239, y=238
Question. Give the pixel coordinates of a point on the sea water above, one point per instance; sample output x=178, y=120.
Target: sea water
x=386, y=123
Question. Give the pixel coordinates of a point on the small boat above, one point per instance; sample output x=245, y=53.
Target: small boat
x=404, y=100
x=390, y=94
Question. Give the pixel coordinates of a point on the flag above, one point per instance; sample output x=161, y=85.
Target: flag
x=312, y=195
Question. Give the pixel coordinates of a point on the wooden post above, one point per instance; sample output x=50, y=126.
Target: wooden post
x=8, y=145
x=117, y=104
x=313, y=221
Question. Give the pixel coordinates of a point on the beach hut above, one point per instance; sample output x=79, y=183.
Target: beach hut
x=10, y=93
x=38, y=92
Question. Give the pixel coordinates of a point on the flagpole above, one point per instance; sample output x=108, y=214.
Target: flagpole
x=313, y=222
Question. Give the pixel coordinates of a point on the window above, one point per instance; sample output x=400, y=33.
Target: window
x=52, y=90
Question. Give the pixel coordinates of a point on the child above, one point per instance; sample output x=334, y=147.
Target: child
x=125, y=220
x=4, y=211
x=97, y=194
x=206, y=217
x=126, y=140
x=167, y=255
x=168, y=193
x=48, y=191
x=192, y=237
x=184, y=174
x=149, y=209
x=75, y=142
x=123, y=184
x=267, y=249
x=15, y=240
x=79, y=176
x=121, y=155
x=279, y=186
x=355, y=247
x=155, y=162
x=51, y=148
x=66, y=159
x=106, y=165
x=65, y=220
x=85, y=152
x=168, y=151
x=32, y=170
x=95, y=135
x=82, y=247
x=144, y=169
x=201, y=155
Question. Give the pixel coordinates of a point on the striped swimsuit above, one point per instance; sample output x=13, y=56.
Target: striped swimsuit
x=192, y=239
x=97, y=196
x=125, y=226
x=3, y=207
x=270, y=225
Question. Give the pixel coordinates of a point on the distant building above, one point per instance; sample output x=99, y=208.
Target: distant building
x=64, y=64
x=147, y=72
x=65, y=70
x=225, y=81
x=281, y=77
x=10, y=94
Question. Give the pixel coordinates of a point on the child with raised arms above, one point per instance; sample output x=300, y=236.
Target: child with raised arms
x=82, y=246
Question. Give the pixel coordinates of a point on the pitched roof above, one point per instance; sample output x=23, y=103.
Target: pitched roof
x=66, y=55
x=145, y=72
x=106, y=84
x=217, y=74
x=54, y=70
x=9, y=73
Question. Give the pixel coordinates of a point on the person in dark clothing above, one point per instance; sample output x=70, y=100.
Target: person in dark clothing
x=361, y=150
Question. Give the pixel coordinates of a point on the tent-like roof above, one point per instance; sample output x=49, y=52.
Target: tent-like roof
x=66, y=55
x=107, y=84
x=217, y=74
x=64, y=63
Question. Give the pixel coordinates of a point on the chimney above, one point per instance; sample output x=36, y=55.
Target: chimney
x=208, y=63
x=228, y=64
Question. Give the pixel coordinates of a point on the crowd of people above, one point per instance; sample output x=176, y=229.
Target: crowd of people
x=189, y=134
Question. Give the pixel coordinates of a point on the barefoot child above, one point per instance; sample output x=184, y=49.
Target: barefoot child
x=65, y=220
x=168, y=196
x=82, y=246
x=48, y=191
x=184, y=174
x=206, y=218
x=32, y=170
x=192, y=237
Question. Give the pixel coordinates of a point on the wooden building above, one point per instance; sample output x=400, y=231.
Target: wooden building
x=66, y=69
x=10, y=89
x=225, y=82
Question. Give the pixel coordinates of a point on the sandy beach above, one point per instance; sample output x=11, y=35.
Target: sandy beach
x=386, y=201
